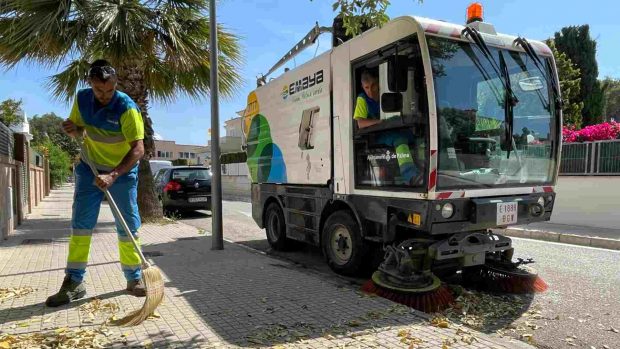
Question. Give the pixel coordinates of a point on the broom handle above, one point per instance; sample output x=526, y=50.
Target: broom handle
x=113, y=206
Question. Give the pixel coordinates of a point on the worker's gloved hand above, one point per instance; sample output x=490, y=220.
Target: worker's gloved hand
x=104, y=181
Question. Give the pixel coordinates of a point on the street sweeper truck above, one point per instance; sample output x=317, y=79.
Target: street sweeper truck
x=414, y=139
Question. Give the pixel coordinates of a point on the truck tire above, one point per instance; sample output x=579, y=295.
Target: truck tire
x=275, y=228
x=343, y=246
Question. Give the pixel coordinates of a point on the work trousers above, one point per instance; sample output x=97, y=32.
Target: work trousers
x=86, y=204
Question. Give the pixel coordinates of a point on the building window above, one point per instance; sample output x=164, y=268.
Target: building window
x=159, y=154
x=192, y=155
x=181, y=155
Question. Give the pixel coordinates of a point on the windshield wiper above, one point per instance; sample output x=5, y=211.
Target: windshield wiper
x=510, y=99
x=509, y=105
x=529, y=50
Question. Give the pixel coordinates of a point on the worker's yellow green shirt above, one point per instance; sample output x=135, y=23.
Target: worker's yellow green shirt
x=365, y=108
x=110, y=130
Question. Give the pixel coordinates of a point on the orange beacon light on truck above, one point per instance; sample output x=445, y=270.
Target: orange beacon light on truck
x=474, y=12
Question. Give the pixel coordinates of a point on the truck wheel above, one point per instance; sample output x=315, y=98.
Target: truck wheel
x=343, y=246
x=276, y=227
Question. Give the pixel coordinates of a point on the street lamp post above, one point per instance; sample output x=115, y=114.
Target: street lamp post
x=217, y=238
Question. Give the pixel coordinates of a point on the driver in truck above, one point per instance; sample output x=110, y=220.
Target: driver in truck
x=367, y=113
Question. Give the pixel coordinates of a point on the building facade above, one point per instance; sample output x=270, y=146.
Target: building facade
x=170, y=150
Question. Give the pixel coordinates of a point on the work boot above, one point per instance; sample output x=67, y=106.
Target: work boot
x=136, y=288
x=69, y=291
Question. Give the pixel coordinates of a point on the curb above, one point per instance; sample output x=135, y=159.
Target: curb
x=572, y=239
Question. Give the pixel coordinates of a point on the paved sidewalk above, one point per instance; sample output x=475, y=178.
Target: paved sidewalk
x=225, y=299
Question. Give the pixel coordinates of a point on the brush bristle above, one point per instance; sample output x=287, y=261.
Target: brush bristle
x=154, y=284
x=428, y=302
x=495, y=280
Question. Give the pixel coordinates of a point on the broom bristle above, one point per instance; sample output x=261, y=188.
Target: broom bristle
x=495, y=280
x=154, y=284
x=428, y=302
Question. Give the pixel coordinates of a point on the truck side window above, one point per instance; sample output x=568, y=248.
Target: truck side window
x=390, y=144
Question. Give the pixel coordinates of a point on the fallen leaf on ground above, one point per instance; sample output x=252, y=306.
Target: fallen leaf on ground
x=440, y=321
x=354, y=323
x=60, y=338
x=96, y=307
x=14, y=292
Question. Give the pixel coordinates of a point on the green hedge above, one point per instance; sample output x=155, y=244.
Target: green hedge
x=180, y=162
x=233, y=158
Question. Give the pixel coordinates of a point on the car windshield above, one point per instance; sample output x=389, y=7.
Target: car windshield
x=475, y=150
x=190, y=174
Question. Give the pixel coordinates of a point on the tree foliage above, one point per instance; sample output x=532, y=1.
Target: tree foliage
x=611, y=91
x=576, y=43
x=160, y=50
x=10, y=112
x=360, y=14
x=48, y=126
x=59, y=161
x=570, y=87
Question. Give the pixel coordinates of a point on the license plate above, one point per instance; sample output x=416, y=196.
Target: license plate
x=199, y=199
x=507, y=213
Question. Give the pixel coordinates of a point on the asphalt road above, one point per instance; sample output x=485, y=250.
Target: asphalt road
x=581, y=309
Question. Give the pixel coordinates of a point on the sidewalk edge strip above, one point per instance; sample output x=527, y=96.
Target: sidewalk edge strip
x=571, y=239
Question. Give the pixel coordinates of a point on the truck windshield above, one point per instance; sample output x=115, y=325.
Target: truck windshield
x=475, y=151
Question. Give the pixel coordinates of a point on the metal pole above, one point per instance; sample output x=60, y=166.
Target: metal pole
x=217, y=237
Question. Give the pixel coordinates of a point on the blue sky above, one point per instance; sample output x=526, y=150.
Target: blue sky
x=269, y=28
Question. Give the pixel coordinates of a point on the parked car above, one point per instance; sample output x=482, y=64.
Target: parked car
x=157, y=165
x=184, y=188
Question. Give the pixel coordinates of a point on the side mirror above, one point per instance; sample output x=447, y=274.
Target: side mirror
x=391, y=102
x=397, y=73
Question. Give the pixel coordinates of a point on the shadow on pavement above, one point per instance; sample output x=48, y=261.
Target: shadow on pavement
x=248, y=299
x=39, y=309
x=191, y=214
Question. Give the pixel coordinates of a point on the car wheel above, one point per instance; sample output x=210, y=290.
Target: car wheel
x=343, y=246
x=276, y=227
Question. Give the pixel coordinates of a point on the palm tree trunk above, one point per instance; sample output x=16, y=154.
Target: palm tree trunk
x=131, y=81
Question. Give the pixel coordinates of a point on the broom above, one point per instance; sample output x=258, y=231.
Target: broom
x=151, y=275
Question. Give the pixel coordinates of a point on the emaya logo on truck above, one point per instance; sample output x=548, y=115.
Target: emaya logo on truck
x=302, y=84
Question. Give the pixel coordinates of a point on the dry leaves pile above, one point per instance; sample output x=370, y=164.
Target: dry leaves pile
x=62, y=338
x=17, y=292
x=278, y=332
x=482, y=311
x=97, y=307
x=407, y=338
x=462, y=334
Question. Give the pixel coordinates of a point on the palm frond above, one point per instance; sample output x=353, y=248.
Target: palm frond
x=168, y=40
x=64, y=85
x=119, y=27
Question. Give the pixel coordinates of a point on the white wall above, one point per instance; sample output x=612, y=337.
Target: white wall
x=590, y=201
x=236, y=181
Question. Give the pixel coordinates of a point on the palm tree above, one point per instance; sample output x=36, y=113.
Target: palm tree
x=160, y=50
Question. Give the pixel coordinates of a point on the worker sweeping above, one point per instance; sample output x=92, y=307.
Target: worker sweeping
x=113, y=131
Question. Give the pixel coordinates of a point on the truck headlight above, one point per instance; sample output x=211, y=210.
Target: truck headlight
x=447, y=210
